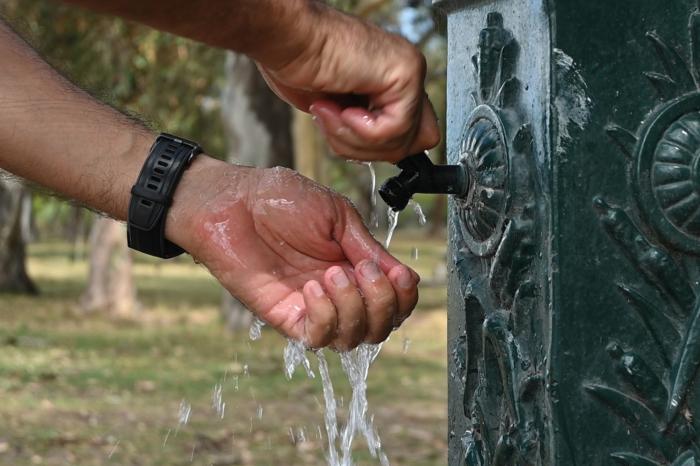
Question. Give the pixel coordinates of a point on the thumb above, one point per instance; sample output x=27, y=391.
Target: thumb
x=358, y=244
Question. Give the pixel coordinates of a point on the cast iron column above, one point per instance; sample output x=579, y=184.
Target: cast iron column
x=574, y=323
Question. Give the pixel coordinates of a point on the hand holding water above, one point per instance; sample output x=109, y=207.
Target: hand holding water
x=298, y=255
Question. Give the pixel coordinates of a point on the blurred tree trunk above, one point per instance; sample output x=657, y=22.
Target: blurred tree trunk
x=110, y=284
x=309, y=148
x=258, y=132
x=13, y=272
x=77, y=231
x=29, y=232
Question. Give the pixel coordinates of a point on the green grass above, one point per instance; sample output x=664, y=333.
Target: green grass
x=89, y=390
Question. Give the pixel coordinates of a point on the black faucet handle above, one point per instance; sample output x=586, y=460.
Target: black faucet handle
x=416, y=162
x=420, y=175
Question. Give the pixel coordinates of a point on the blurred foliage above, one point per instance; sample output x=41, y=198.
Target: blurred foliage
x=175, y=83
x=171, y=82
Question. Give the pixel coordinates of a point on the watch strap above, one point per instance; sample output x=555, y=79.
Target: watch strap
x=152, y=195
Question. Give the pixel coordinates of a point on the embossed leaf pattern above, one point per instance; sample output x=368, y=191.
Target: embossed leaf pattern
x=686, y=459
x=660, y=328
x=630, y=459
x=663, y=177
x=637, y=415
x=686, y=367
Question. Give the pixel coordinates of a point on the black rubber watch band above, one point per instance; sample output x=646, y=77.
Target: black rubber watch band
x=152, y=195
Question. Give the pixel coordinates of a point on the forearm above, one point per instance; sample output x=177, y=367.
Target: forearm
x=271, y=31
x=54, y=134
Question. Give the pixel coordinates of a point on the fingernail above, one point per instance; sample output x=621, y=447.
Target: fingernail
x=370, y=271
x=316, y=289
x=405, y=279
x=340, y=279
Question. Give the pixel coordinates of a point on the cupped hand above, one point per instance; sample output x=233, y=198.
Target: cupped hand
x=364, y=87
x=299, y=256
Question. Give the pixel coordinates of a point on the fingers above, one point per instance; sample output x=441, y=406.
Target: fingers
x=405, y=283
x=380, y=300
x=321, y=316
x=363, y=307
x=386, y=134
x=350, y=307
x=357, y=242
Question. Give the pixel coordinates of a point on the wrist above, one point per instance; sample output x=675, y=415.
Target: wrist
x=202, y=184
x=294, y=34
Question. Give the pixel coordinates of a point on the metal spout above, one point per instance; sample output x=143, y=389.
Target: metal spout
x=420, y=175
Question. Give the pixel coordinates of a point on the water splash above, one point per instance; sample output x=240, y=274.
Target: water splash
x=419, y=213
x=113, y=449
x=256, y=329
x=330, y=414
x=183, y=413
x=356, y=366
x=294, y=356
x=393, y=217
x=217, y=400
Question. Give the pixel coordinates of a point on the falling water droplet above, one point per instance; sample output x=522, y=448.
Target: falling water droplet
x=113, y=450
x=374, y=219
x=414, y=253
x=184, y=412
x=330, y=415
x=256, y=329
x=393, y=217
x=217, y=400
x=165, y=440
x=295, y=355
x=419, y=213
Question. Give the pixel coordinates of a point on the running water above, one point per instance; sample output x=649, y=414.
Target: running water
x=356, y=365
x=294, y=356
x=373, y=217
x=393, y=216
x=256, y=329
x=330, y=417
x=184, y=413
x=217, y=400
x=419, y=213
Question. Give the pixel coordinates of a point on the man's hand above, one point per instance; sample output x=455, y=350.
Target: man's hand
x=296, y=253
x=363, y=85
x=345, y=60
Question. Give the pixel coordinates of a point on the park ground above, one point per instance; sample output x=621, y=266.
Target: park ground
x=90, y=390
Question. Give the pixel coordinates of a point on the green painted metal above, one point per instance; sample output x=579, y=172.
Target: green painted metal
x=574, y=319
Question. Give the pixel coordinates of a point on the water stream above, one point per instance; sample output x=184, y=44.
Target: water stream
x=256, y=329
x=356, y=365
x=374, y=218
x=393, y=217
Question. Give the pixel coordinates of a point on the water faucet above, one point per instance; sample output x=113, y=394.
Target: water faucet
x=420, y=175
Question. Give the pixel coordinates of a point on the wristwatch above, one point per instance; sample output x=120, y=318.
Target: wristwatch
x=152, y=195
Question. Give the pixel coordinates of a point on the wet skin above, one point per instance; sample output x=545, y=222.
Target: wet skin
x=296, y=253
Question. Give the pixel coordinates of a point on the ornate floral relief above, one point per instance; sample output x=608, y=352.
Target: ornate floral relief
x=660, y=236
x=497, y=221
